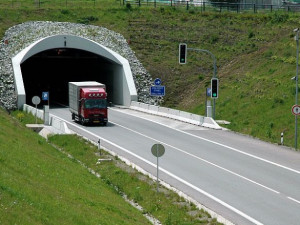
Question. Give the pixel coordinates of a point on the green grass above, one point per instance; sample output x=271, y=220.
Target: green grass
x=255, y=53
x=166, y=206
x=40, y=184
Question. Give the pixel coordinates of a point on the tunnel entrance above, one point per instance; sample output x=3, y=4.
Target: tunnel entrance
x=51, y=70
x=48, y=64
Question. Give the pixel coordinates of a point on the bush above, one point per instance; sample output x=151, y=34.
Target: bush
x=20, y=116
x=280, y=18
x=128, y=6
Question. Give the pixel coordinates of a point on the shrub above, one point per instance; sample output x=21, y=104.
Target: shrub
x=20, y=116
x=128, y=6
x=279, y=18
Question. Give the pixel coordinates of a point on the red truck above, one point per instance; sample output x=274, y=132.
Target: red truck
x=88, y=102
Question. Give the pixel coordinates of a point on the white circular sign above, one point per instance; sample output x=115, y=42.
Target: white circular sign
x=296, y=110
x=36, y=100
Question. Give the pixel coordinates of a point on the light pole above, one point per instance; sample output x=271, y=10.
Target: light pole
x=296, y=122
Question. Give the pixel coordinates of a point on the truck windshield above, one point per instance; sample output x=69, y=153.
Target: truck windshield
x=95, y=103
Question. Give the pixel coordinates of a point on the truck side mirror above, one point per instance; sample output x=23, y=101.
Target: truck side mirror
x=80, y=101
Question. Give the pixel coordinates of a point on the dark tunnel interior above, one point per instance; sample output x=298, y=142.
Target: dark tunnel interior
x=51, y=70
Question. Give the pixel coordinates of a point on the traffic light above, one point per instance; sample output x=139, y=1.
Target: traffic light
x=182, y=53
x=214, y=87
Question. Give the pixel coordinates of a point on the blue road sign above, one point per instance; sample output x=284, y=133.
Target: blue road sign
x=157, y=91
x=157, y=81
x=208, y=92
x=45, y=96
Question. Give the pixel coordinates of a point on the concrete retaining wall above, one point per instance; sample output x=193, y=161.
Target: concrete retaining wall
x=59, y=125
x=175, y=114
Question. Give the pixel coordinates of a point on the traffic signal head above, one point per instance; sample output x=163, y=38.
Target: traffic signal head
x=182, y=53
x=214, y=87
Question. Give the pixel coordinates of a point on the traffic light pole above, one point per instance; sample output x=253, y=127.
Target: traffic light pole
x=296, y=116
x=214, y=75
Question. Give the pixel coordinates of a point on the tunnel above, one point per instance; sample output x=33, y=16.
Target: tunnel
x=48, y=64
x=51, y=70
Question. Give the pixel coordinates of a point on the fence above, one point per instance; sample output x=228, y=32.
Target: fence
x=50, y=3
x=188, y=4
x=215, y=6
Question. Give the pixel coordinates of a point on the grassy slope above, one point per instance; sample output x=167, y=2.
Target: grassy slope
x=166, y=206
x=255, y=57
x=39, y=185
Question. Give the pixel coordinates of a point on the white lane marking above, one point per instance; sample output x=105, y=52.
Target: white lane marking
x=199, y=158
x=295, y=200
x=225, y=146
x=174, y=176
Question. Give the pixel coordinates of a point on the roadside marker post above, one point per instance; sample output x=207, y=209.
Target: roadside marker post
x=99, y=147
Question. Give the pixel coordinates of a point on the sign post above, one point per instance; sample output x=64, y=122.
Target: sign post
x=157, y=90
x=157, y=150
x=36, y=100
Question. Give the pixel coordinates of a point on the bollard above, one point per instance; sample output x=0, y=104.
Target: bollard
x=281, y=139
x=208, y=109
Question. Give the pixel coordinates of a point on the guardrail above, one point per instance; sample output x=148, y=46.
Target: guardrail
x=176, y=115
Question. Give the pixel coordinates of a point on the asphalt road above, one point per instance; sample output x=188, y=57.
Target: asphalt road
x=245, y=180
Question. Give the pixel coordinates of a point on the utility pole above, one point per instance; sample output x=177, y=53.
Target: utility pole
x=296, y=97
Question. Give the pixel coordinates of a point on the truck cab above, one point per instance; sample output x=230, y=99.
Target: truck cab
x=88, y=102
x=93, y=105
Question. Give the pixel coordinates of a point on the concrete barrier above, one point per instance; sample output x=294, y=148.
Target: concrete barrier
x=163, y=111
x=33, y=111
x=153, y=109
x=55, y=122
x=176, y=115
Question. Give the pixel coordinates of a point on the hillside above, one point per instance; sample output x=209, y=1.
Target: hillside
x=256, y=57
x=48, y=182
x=40, y=185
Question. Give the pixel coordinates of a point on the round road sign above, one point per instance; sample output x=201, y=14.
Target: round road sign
x=36, y=100
x=157, y=81
x=296, y=110
x=158, y=150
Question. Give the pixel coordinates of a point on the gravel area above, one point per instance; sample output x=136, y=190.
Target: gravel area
x=20, y=36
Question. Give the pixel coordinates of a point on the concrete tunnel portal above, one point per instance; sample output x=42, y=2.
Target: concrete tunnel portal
x=51, y=70
x=50, y=63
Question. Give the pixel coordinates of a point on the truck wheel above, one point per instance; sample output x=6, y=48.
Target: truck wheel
x=82, y=121
x=104, y=123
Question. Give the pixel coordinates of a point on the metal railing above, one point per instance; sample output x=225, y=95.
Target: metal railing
x=188, y=4
x=50, y=4
x=215, y=6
